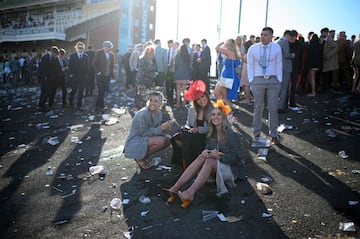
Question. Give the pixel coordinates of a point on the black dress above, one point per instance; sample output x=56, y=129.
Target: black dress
x=315, y=52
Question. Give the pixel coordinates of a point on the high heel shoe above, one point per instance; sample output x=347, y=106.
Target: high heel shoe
x=185, y=202
x=171, y=198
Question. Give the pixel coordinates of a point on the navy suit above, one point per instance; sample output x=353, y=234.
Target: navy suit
x=78, y=72
x=204, y=67
x=49, y=73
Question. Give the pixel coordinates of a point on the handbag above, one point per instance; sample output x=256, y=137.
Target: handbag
x=227, y=82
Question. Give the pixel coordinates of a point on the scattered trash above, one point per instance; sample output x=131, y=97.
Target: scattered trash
x=75, y=139
x=266, y=215
x=106, y=116
x=282, y=127
x=155, y=161
x=353, y=203
x=234, y=219
x=60, y=222
x=330, y=133
x=242, y=201
x=144, y=213
x=347, y=227
x=57, y=189
x=262, y=153
x=161, y=167
x=91, y=117
x=129, y=234
x=53, y=141
x=144, y=200
x=222, y=217
x=207, y=215
x=116, y=203
x=266, y=179
x=96, y=169
x=112, y=121
x=125, y=201
x=342, y=154
x=70, y=194
x=49, y=173
x=264, y=188
x=355, y=171
x=146, y=228
x=118, y=111
x=261, y=143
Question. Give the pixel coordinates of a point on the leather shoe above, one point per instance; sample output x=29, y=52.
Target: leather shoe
x=275, y=140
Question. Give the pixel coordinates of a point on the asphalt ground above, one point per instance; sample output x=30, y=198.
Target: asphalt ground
x=42, y=196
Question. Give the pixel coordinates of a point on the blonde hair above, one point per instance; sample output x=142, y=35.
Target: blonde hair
x=212, y=129
x=149, y=51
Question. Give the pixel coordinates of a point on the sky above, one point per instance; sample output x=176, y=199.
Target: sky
x=199, y=19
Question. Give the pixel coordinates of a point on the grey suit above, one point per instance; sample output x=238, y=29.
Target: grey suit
x=287, y=58
x=161, y=64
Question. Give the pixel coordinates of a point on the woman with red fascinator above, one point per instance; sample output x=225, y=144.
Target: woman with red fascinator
x=191, y=140
x=221, y=158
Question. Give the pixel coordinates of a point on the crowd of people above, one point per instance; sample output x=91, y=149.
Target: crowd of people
x=21, y=22
x=262, y=70
x=270, y=70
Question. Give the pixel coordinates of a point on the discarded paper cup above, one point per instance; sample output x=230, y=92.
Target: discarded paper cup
x=106, y=116
x=347, y=227
x=96, y=169
x=116, y=203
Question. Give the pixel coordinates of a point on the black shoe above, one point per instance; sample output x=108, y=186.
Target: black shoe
x=42, y=109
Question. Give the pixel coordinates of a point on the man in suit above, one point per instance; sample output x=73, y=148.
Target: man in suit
x=161, y=63
x=125, y=63
x=90, y=81
x=134, y=61
x=287, y=58
x=330, y=60
x=265, y=76
x=249, y=42
x=104, y=70
x=48, y=73
x=205, y=63
x=79, y=73
x=344, y=57
x=170, y=72
x=62, y=80
x=196, y=60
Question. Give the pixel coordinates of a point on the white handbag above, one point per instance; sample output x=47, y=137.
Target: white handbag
x=227, y=82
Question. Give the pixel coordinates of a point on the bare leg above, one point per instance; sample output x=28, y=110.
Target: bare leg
x=189, y=173
x=247, y=93
x=312, y=82
x=178, y=89
x=208, y=166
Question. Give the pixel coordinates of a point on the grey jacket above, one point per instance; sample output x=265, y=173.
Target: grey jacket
x=287, y=57
x=191, y=120
x=231, y=150
x=161, y=59
x=144, y=125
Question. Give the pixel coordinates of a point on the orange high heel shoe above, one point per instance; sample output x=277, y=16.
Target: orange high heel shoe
x=171, y=198
x=185, y=202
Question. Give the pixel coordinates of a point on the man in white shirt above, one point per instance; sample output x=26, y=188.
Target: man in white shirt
x=265, y=76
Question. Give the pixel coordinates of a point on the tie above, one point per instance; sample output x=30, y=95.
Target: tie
x=264, y=61
x=80, y=56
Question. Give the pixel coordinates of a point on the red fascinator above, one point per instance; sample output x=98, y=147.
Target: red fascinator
x=196, y=90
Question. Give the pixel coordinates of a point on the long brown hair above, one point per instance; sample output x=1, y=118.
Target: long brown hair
x=197, y=107
x=212, y=129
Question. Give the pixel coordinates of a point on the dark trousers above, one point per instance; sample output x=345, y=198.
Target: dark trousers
x=53, y=90
x=204, y=75
x=103, y=86
x=294, y=79
x=45, y=88
x=327, y=78
x=169, y=83
x=77, y=86
x=128, y=81
x=90, y=83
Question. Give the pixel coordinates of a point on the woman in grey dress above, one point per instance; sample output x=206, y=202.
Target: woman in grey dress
x=147, y=133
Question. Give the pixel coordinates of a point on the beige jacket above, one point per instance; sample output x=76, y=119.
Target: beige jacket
x=330, y=57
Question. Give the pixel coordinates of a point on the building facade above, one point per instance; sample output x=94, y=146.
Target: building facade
x=32, y=26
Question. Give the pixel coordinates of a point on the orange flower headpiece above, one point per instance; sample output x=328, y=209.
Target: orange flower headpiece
x=226, y=109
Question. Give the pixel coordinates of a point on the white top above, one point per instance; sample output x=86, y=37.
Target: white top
x=273, y=64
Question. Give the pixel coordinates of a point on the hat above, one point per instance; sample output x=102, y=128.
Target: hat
x=108, y=44
x=196, y=90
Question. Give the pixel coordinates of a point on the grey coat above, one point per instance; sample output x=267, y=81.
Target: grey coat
x=191, y=119
x=144, y=125
x=231, y=150
x=287, y=57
